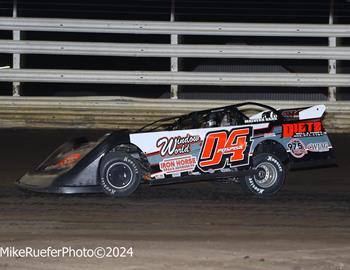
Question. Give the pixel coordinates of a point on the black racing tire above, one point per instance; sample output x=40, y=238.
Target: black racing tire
x=269, y=177
x=120, y=174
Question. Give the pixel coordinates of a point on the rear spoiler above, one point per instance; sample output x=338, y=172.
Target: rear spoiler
x=313, y=112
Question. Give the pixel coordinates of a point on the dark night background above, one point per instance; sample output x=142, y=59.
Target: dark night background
x=268, y=11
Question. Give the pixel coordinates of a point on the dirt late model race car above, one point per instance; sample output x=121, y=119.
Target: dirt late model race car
x=220, y=144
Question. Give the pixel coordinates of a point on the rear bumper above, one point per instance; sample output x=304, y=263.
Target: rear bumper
x=48, y=184
x=314, y=160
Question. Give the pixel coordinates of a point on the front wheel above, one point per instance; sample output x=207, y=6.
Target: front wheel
x=120, y=174
x=268, y=178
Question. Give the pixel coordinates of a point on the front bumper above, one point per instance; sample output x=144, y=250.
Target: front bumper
x=48, y=183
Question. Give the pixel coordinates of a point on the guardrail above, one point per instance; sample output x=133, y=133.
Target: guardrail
x=331, y=53
x=169, y=50
x=166, y=77
x=179, y=28
x=106, y=113
x=123, y=112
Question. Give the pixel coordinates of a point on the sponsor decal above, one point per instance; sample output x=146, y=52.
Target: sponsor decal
x=65, y=162
x=297, y=148
x=176, y=145
x=258, y=120
x=222, y=147
x=294, y=113
x=318, y=147
x=178, y=164
x=158, y=175
x=303, y=129
x=266, y=117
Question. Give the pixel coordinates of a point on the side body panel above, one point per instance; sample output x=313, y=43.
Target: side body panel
x=196, y=151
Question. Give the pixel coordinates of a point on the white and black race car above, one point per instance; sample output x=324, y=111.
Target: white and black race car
x=215, y=144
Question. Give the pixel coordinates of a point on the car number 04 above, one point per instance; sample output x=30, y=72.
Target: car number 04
x=220, y=143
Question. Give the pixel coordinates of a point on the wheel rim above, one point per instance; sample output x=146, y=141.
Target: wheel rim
x=266, y=175
x=119, y=175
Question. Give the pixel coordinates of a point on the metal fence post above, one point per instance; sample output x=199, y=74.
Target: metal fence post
x=16, y=57
x=174, y=61
x=332, y=63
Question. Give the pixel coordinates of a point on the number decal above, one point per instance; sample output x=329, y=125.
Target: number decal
x=211, y=154
x=223, y=146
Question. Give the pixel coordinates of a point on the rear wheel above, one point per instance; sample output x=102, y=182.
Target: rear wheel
x=120, y=174
x=268, y=178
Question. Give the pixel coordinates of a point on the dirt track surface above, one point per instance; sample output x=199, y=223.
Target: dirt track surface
x=189, y=226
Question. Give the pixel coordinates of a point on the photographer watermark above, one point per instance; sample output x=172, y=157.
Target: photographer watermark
x=67, y=252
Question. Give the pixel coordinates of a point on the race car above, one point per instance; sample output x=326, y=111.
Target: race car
x=220, y=144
